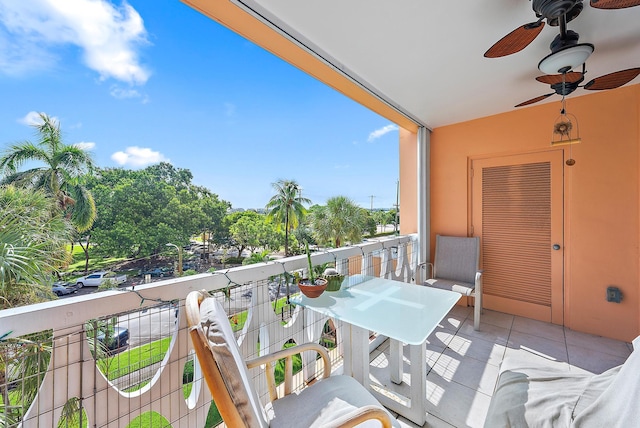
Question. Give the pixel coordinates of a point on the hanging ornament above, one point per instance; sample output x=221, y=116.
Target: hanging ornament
x=566, y=131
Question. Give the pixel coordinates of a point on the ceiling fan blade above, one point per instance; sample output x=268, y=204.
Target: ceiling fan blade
x=613, y=80
x=535, y=100
x=515, y=41
x=614, y=4
x=552, y=79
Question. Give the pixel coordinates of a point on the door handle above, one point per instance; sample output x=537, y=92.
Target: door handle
x=556, y=247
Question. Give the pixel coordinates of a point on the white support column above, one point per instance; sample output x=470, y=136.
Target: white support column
x=423, y=155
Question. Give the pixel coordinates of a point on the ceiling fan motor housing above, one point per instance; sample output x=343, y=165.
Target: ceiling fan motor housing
x=554, y=9
x=565, y=88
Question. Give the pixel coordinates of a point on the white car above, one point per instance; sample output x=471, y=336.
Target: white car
x=97, y=278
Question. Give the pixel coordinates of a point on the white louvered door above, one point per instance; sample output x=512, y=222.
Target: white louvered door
x=517, y=210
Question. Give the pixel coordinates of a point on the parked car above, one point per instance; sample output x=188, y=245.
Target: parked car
x=62, y=288
x=189, y=265
x=97, y=278
x=118, y=339
x=158, y=272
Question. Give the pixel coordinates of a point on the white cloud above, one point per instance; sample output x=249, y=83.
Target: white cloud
x=85, y=145
x=33, y=119
x=120, y=93
x=380, y=132
x=127, y=93
x=109, y=36
x=138, y=157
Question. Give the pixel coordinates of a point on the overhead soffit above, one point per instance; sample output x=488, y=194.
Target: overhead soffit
x=426, y=57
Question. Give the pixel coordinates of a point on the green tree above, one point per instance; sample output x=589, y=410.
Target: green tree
x=33, y=235
x=381, y=218
x=254, y=258
x=61, y=176
x=253, y=231
x=211, y=214
x=370, y=225
x=140, y=211
x=286, y=207
x=339, y=221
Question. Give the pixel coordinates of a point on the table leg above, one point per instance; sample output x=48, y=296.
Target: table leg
x=418, y=358
x=413, y=407
x=356, y=353
x=395, y=361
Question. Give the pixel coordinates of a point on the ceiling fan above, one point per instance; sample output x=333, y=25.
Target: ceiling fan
x=566, y=83
x=566, y=53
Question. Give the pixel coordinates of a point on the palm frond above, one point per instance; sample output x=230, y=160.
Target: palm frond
x=17, y=154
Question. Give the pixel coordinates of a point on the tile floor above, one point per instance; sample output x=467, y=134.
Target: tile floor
x=463, y=364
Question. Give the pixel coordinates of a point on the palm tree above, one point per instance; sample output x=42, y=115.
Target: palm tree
x=339, y=221
x=286, y=207
x=62, y=173
x=33, y=234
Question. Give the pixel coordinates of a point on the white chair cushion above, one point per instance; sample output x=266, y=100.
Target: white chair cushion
x=323, y=404
x=618, y=404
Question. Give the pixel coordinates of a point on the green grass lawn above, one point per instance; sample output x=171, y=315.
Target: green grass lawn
x=149, y=420
x=134, y=359
x=95, y=263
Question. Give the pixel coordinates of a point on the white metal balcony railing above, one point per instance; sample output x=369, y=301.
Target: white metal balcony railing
x=152, y=377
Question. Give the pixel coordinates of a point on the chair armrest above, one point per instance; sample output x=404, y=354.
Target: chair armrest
x=364, y=413
x=288, y=354
x=478, y=281
x=424, y=266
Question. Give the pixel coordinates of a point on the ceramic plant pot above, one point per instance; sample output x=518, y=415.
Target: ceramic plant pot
x=312, y=290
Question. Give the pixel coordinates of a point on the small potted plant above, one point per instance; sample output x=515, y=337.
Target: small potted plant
x=334, y=279
x=311, y=286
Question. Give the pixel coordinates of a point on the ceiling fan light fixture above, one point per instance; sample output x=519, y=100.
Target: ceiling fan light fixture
x=566, y=59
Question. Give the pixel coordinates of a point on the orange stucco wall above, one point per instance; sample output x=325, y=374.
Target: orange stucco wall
x=602, y=194
x=408, y=182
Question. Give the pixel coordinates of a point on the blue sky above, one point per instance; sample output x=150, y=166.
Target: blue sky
x=146, y=81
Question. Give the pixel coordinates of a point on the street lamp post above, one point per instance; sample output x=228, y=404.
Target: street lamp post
x=179, y=257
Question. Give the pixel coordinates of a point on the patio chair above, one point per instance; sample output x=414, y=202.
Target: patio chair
x=456, y=268
x=337, y=401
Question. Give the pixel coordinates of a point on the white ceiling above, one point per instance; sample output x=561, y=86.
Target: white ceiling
x=426, y=56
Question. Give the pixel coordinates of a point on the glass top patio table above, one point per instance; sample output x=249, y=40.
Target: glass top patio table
x=406, y=312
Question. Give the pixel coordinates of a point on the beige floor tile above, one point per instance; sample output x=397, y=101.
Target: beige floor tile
x=597, y=343
x=461, y=311
x=440, y=337
x=592, y=361
x=472, y=373
x=545, y=348
x=456, y=317
x=539, y=328
x=487, y=332
x=456, y=404
x=477, y=348
x=497, y=318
